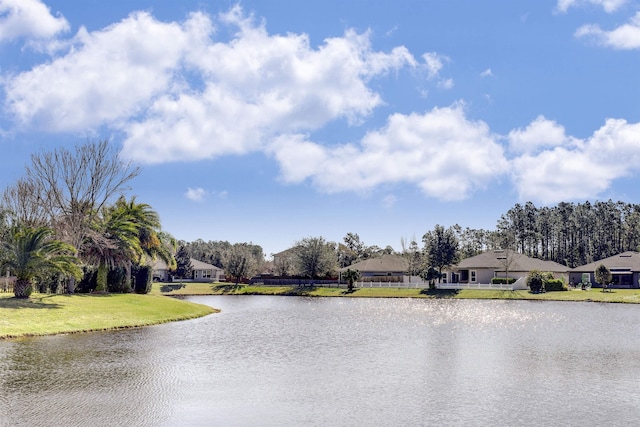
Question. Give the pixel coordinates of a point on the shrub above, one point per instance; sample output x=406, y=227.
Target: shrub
x=88, y=281
x=117, y=280
x=502, y=280
x=143, y=280
x=535, y=281
x=551, y=285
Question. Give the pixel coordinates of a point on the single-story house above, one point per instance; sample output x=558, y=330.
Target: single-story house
x=624, y=268
x=501, y=263
x=202, y=272
x=390, y=268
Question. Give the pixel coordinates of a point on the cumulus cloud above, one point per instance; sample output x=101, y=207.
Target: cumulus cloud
x=539, y=134
x=29, y=19
x=441, y=151
x=106, y=77
x=196, y=194
x=625, y=37
x=239, y=93
x=176, y=92
x=578, y=169
x=609, y=6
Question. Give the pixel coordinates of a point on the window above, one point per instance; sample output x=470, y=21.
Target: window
x=472, y=275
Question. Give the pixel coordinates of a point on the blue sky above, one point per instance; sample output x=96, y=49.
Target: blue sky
x=271, y=121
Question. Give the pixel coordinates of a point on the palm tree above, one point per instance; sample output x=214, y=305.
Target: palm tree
x=112, y=242
x=127, y=233
x=31, y=252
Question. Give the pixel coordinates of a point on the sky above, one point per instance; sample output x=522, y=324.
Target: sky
x=271, y=121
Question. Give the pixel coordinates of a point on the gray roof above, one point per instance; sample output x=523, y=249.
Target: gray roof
x=383, y=264
x=496, y=260
x=197, y=265
x=629, y=261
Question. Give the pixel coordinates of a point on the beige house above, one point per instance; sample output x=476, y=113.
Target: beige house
x=501, y=263
x=283, y=263
x=202, y=272
x=390, y=268
x=624, y=268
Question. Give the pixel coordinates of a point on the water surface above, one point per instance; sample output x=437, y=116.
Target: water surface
x=337, y=361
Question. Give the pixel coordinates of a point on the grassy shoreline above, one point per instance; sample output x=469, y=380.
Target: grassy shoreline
x=630, y=296
x=65, y=314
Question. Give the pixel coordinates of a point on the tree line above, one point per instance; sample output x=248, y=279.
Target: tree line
x=68, y=223
x=571, y=234
x=568, y=233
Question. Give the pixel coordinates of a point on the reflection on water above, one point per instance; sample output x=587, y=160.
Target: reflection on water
x=331, y=361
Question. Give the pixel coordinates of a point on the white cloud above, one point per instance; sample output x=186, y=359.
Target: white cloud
x=196, y=194
x=625, y=37
x=440, y=151
x=389, y=201
x=240, y=93
x=539, y=134
x=30, y=19
x=581, y=169
x=107, y=76
x=609, y=6
x=486, y=73
x=445, y=83
x=433, y=63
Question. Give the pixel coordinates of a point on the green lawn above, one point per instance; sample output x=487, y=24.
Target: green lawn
x=616, y=295
x=56, y=314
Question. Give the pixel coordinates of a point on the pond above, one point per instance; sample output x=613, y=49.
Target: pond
x=337, y=361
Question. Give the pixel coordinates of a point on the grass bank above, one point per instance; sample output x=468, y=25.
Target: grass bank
x=59, y=314
x=594, y=295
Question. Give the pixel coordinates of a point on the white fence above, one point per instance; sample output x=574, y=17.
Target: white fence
x=486, y=286
x=519, y=284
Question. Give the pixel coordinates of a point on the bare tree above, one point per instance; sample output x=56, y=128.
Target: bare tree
x=22, y=203
x=507, y=258
x=73, y=185
x=413, y=255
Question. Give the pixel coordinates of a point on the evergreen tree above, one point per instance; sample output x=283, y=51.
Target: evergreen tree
x=184, y=269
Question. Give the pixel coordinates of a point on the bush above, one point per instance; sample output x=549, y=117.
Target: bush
x=535, y=281
x=551, y=285
x=117, y=280
x=502, y=280
x=143, y=280
x=88, y=281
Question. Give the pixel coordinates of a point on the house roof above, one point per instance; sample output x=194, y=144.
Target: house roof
x=629, y=261
x=197, y=265
x=286, y=253
x=383, y=264
x=497, y=260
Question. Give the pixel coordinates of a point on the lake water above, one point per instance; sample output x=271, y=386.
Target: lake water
x=338, y=362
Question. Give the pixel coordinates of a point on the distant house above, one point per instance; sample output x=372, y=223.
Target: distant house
x=385, y=268
x=500, y=263
x=283, y=263
x=624, y=268
x=202, y=272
